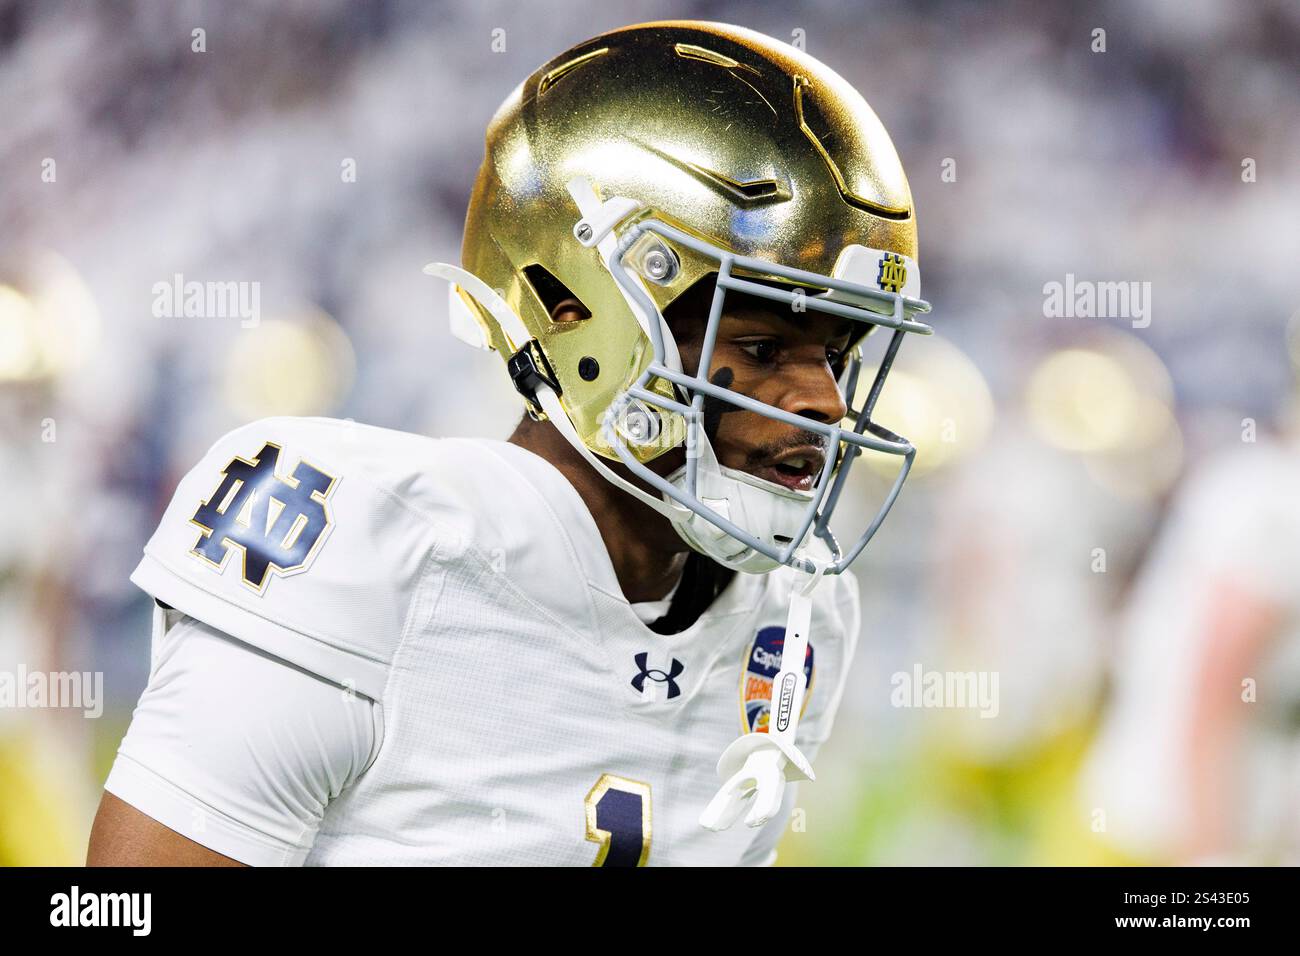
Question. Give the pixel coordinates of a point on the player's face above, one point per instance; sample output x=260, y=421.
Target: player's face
x=785, y=359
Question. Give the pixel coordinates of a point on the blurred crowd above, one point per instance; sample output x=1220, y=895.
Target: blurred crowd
x=1105, y=514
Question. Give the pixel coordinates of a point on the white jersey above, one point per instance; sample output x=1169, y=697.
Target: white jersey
x=529, y=715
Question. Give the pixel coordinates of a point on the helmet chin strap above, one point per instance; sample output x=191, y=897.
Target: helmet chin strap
x=550, y=403
x=769, y=511
x=755, y=767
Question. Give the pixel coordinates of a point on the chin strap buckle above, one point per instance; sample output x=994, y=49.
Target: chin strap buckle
x=529, y=371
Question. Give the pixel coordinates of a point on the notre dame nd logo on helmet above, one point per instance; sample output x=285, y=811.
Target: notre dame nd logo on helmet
x=277, y=523
x=893, y=273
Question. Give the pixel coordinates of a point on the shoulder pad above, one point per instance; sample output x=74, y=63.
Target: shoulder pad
x=294, y=535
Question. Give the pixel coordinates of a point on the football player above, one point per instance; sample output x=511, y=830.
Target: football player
x=376, y=647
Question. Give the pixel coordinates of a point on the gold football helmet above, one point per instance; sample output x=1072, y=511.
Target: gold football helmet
x=630, y=167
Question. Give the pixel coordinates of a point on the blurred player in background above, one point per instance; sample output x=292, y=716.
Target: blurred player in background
x=1199, y=759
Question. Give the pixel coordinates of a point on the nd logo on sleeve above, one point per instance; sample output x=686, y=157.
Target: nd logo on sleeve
x=762, y=665
x=276, y=522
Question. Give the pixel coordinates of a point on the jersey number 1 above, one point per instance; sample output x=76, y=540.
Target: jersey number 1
x=618, y=818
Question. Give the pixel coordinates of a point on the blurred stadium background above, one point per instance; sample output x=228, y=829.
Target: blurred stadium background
x=1106, y=514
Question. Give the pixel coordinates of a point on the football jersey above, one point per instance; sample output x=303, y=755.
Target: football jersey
x=530, y=715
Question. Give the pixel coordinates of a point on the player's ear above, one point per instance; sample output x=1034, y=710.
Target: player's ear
x=569, y=310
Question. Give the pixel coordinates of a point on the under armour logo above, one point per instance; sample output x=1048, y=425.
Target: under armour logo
x=656, y=675
x=275, y=522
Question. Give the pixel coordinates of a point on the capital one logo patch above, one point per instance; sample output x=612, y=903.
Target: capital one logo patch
x=762, y=664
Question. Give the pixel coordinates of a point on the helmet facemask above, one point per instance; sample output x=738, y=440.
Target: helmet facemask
x=742, y=521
